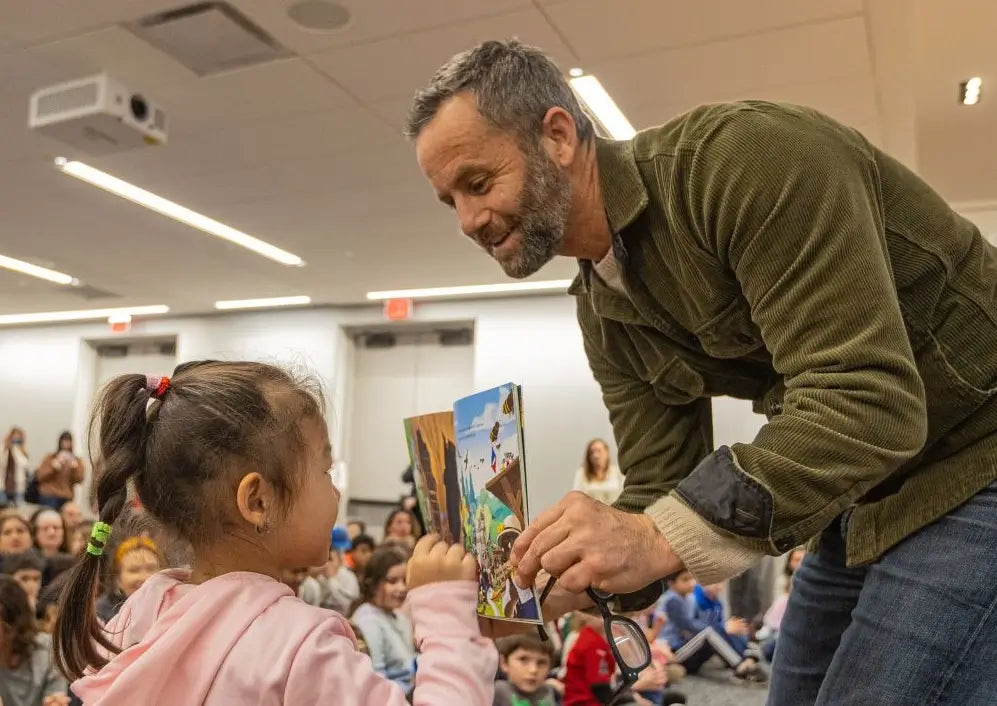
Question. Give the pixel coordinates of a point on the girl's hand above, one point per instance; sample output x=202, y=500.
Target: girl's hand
x=56, y=700
x=433, y=560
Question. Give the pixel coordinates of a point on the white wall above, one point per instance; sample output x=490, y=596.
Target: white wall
x=533, y=341
x=46, y=373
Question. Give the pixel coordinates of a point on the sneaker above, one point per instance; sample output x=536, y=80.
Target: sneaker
x=749, y=671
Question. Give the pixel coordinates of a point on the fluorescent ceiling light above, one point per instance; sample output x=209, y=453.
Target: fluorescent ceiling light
x=27, y=268
x=603, y=107
x=470, y=289
x=175, y=211
x=81, y=315
x=970, y=90
x=262, y=303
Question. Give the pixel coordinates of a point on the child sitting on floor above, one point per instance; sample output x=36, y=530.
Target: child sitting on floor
x=526, y=662
x=694, y=640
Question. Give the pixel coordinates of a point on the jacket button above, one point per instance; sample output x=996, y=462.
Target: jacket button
x=776, y=408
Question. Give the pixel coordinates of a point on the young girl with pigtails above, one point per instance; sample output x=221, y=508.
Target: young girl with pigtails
x=234, y=457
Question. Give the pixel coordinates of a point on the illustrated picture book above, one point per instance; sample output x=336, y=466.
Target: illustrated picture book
x=470, y=476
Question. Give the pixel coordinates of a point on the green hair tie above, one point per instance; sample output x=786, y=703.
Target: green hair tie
x=101, y=531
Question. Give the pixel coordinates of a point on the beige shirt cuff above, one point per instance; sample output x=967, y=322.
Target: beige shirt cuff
x=710, y=554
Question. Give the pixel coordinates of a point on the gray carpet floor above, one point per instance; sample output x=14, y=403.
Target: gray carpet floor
x=713, y=686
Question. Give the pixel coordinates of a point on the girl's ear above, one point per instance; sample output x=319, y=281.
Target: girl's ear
x=256, y=501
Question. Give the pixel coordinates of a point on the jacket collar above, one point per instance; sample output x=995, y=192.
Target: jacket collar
x=625, y=197
x=623, y=190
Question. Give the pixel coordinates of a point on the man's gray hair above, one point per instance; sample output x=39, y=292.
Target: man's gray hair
x=514, y=85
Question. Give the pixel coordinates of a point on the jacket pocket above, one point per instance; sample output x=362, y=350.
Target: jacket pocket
x=676, y=383
x=731, y=333
x=950, y=397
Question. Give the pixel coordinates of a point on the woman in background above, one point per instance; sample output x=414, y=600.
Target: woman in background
x=59, y=473
x=26, y=668
x=598, y=478
x=49, y=532
x=14, y=468
x=401, y=529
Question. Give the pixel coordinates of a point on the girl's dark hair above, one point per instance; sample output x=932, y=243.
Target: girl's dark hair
x=64, y=547
x=587, y=462
x=18, y=621
x=25, y=561
x=363, y=540
x=185, y=454
x=383, y=560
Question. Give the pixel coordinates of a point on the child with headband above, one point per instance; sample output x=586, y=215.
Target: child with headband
x=235, y=458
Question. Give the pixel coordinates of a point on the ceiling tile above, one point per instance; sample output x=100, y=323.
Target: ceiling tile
x=695, y=75
x=371, y=19
x=223, y=101
x=395, y=68
x=600, y=30
x=288, y=138
x=850, y=100
x=40, y=20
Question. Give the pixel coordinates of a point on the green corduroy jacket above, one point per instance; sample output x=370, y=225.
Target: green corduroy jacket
x=769, y=253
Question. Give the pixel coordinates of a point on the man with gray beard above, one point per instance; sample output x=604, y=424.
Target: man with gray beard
x=766, y=252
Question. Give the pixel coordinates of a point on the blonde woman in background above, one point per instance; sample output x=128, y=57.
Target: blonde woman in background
x=598, y=477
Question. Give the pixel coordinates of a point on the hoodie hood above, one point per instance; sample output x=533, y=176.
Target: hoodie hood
x=173, y=633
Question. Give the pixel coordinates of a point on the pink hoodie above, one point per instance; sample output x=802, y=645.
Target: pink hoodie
x=244, y=638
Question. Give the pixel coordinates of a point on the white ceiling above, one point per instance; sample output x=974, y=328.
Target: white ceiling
x=307, y=152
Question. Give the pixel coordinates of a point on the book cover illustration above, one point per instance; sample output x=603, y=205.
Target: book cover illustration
x=493, y=502
x=433, y=453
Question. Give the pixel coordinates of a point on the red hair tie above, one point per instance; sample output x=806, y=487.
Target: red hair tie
x=157, y=386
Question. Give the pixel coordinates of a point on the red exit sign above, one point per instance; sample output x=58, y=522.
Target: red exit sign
x=398, y=309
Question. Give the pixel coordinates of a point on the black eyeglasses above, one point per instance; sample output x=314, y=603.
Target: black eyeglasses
x=626, y=638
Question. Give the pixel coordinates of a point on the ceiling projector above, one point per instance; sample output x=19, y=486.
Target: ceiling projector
x=97, y=115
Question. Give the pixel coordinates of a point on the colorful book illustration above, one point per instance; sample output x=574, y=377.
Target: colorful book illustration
x=470, y=475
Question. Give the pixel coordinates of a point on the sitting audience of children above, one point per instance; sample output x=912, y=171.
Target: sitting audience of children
x=591, y=678
x=695, y=639
x=27, y=673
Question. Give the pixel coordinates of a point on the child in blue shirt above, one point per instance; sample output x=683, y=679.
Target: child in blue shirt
x=695, y=638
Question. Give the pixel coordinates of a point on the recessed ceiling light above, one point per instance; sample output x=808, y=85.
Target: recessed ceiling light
x=969, y=90
x=262, y=303
x=470, y=290
x=9, y=263
x=168, y=208
x=602, y=107
x=576, y=72
x=319, y=16
x=81, y=315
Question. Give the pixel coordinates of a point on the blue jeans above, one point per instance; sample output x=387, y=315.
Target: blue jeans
x=917, y=627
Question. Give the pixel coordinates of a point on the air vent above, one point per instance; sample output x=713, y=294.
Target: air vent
x=379, y=340
x=456, y=337
x=110, y=351
x=209, y=38
x=73, y=96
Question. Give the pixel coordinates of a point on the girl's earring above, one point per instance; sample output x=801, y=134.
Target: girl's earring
x=264, y=527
